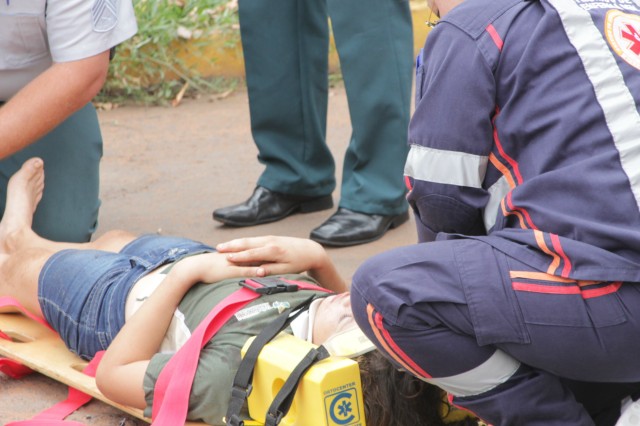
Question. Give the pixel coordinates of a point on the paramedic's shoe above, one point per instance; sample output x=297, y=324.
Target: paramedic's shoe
x=630, y=413
x=349, y=228
x=266, y=206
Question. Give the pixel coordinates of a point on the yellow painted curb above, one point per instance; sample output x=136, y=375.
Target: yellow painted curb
x=229, y=62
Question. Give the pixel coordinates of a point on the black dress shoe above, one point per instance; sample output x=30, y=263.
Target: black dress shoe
x=266, y=206
x=348, y=228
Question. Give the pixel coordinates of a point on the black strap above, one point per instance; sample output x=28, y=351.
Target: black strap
x=283, y=400
x=242, y=380
x=269, y=285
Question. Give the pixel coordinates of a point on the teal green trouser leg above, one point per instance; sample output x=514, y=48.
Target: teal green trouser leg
x=374, y=39
x=285, y=45
x=69, y=207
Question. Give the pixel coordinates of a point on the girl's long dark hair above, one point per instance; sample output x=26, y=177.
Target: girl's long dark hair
x=396, y=398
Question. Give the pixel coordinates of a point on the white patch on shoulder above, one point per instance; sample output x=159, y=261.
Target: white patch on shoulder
x=623, y=34
x=104, y=14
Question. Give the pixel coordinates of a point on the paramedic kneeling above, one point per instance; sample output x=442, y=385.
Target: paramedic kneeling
x=524, y=167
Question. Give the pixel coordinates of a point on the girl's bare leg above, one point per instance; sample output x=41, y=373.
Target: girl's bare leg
x=22, y=252
x=19, y=267
x=23, y=194
x=19, y=277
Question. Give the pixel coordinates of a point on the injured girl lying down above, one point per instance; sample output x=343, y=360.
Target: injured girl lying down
x=139, y=298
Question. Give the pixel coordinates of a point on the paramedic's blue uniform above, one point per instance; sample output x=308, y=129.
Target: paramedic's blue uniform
x=536, y=160
x=33, y=35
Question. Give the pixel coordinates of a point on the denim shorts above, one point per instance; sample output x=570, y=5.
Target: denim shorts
x=82, y=293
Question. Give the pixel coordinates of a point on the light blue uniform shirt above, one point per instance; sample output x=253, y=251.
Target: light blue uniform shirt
x=36, y=33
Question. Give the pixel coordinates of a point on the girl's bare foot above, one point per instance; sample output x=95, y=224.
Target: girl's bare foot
x=24, y=192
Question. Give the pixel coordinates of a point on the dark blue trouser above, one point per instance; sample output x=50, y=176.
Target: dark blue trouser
x=495, y=334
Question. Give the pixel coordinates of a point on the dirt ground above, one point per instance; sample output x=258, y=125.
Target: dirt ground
x=164, y=170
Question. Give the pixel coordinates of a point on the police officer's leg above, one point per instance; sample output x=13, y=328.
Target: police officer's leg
x=69, y=207
x=285, y=46
x=374, y=39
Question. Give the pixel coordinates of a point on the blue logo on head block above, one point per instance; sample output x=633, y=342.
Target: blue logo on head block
x=343, y=408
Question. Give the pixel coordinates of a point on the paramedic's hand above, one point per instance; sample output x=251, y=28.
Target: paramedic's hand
x=284, y=255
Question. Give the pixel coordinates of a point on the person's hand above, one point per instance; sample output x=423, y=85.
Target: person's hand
x=210, y=268
x=284, y=255
x=275, y=255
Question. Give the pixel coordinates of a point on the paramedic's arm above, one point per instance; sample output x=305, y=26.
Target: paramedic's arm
x=49, y=100
x=285, y=255
x=451, y=136
x=120, y=375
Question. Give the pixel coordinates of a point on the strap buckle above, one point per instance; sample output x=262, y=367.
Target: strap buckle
x=269, y=285
x=239, y=395
x=240, y=392
x=274, y=419
x=235, y=420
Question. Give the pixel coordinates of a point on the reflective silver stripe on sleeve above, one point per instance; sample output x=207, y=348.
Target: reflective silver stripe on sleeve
x=497, y=192
x=493, y=372
x=613, y=95
x=448, y=167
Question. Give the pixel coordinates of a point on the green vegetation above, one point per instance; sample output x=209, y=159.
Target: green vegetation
x=150, y=69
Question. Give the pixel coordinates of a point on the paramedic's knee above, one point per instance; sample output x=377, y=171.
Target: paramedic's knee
x=528, y=396
x=493, y=372
x=428, y=343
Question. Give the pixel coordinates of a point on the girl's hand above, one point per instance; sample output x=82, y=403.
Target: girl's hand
x=284, y=255
x=210, y=268
x=275, y=255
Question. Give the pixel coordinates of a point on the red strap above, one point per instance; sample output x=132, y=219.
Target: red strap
x=56, y=414
x=173, y=387
x=171, y=394
x=46, y=422
x=13, y=369
x=76, y=399
x=10, y=301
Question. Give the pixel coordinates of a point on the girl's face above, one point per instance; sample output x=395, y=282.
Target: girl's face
x=332, y=317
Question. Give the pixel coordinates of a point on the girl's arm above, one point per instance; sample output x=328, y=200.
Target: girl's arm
x=121, y=372
x=285, y=255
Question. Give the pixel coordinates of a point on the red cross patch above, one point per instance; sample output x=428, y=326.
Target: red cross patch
x=623, y=34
